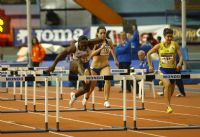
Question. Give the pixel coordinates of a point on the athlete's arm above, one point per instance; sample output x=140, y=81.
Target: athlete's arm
x=67, y=51
x=179, y=65
x=97, y=51
x=90, y=42
x=153, y=50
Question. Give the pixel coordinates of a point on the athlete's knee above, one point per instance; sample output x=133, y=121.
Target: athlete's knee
x=86, y=87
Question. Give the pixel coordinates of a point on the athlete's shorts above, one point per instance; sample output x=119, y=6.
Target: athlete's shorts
x=169, y=71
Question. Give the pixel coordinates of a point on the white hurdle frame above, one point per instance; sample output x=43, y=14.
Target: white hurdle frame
x=58, y=129
x=157, y=76
x=35, y=130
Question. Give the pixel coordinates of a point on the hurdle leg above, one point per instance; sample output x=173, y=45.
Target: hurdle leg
x=21, y=85
x=93, y=100
x=61, y=89
x=6, y=86
x=77, y=84
x=142, y=86
x=57, y=106
x=134, y=104
x=34, y=96
x=84, y=97
x=26, y=96
x=14, y=89
x=46, y=104
x=124, y=103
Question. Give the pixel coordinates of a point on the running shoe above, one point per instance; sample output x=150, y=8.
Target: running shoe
x=169, y=110
x=72, y=99
x=180, y=95
x=106, y=104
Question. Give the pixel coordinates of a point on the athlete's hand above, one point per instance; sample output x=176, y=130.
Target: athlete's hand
x=103, y=45
x=50, y=69
x=151, y=69
x=178, y=67
x=116, y=63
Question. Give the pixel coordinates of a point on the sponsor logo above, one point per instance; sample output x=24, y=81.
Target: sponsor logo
x=60, y=72
x=94, y=78
x=14, y=79
x=118, y=71
x=3, y=73
x=56, y=36
x=172, y=76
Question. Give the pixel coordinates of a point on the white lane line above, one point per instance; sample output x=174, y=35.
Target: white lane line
x=186, y=106
x=13, y=123
x=150, y=134
x=106, y=126
x=184, y=114
x=146, y=119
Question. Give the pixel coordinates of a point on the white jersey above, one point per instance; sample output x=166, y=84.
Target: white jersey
x=82, y=55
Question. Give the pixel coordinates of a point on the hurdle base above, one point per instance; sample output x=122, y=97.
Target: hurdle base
x=8, y=99
x=39, y=99
x=113, y=109
x=64, y=110
x=166, y=127
x=14, y=111
x=23, y=131
x=88, y=129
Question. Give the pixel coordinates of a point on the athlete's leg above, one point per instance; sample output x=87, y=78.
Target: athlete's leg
x=92, y=85
x=167, y=94
x=107, y=85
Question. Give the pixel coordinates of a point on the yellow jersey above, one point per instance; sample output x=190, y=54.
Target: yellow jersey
x=167, y=55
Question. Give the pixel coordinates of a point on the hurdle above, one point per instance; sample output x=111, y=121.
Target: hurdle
x=168, y=76
x=114, y=72
x=53, y=78
x=36, y=130
x=6, y=74
x=108, y=77
x=22, y=71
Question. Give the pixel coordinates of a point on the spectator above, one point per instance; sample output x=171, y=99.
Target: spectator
x=123, y=52
x=143, y=65
x=38, y=52
x=152, y=40
x=159, y=39
x=147, y=45
x=133, y=38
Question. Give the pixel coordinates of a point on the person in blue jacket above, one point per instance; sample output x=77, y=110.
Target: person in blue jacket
x=142, y=65
x=134, y=39
x=123, y=53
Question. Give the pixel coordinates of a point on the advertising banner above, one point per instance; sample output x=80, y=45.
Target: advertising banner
x=192, y=33
x=156, y=30
x=112, y=32
x=58, y=36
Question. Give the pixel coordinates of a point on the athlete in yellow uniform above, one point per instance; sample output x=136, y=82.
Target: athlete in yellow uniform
x=167, y=50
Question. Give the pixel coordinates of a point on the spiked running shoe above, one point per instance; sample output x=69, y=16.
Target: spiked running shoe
x=169, y=110
x=106, y=104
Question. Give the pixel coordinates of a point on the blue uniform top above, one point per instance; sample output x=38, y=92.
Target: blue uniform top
x=135, y=41
x=123, y=52
x=144, y=65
